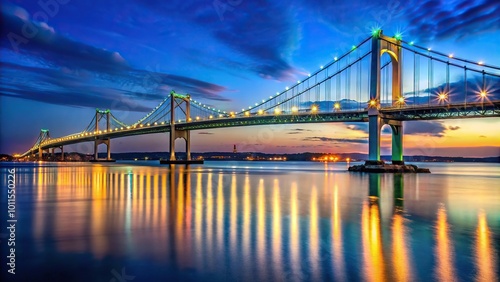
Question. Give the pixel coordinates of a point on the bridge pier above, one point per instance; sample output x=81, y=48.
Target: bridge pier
x=107, y=142
x=397, y=143
x=174, y=135
x=374, y=127
x=62, y=152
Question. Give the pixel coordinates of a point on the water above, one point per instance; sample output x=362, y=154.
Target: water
x=253, y=221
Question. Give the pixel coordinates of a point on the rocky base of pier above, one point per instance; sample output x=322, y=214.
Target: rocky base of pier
x=382, y=167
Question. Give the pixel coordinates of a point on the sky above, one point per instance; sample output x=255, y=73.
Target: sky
x=61, y=59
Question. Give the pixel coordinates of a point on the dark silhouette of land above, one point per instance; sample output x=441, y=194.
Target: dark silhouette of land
x=246, y=156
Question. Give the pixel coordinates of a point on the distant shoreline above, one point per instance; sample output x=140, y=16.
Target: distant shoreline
x=248, y=156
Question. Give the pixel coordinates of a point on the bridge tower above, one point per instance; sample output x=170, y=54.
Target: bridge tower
x=176, y=101
x=99, y=114
x=383, y=44
x=42, y=137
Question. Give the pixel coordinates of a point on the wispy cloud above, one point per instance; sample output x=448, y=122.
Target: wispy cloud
x=336, y=140
x=457, y=19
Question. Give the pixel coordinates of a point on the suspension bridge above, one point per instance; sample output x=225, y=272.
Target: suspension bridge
x=382, y=80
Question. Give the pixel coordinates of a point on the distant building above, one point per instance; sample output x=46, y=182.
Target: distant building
x=234, y=149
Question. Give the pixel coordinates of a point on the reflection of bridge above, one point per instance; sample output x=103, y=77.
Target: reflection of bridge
x=341, y=91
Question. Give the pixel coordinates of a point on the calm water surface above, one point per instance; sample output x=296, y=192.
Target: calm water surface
x=253, y=221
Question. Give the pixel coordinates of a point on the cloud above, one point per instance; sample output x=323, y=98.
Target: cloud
x=482, y=136
x=451, y=127
x=298, y=131
x=336, y=140
x=358, y=127
x=260, y=34
x=205, y=133
x=58, y=65
x=426, y=128
x=433, y=19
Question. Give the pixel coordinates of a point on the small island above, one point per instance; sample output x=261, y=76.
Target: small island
x=382, y=167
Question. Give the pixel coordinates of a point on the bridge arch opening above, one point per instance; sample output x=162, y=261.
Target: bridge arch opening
x=385, y=140
x=390, y=55
x=180, y=144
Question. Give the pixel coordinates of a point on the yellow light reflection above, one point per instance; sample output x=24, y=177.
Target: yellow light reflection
x=209, y=226
x=246, y=217
x=444, y=250
x=198, y=221
x=294, y=230
x=400, y=256
x=337, y=242
x=261, y=231
x=233, y=216
x=220, y=216
x=314, y=234
x=374, y=266
x=486, y=260
x=276, y=232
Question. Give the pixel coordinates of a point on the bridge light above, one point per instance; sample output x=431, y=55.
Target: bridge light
x=298, y=81
x=197, y=118
x=141, y=125
x=128, y=127
x=261, y=112
x=398, y=36
x=180, y=120
x=211, y=117
x=121, y=128
x=249, y=107
x=480, y=62
x=442, y=96
x=353, y=47
x=295, y=109
x=373, y=103
x=314, y=108
x=247, y=113
x=483, y=94
x=401, y=100
x=277, y=111
x=148, y=124
x=429, y=49
x=162, y=122
x=321, y=67
x=309, y=75
x=411, y=43
x=336, y=106
x=286, y=88
x=450, y=55
x=190, y=119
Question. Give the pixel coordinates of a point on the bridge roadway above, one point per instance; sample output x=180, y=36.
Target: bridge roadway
x=405, y=113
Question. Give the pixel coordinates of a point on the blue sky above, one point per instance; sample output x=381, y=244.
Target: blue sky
x=61, y=59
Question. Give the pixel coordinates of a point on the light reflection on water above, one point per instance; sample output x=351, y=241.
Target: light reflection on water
x=304, y=221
